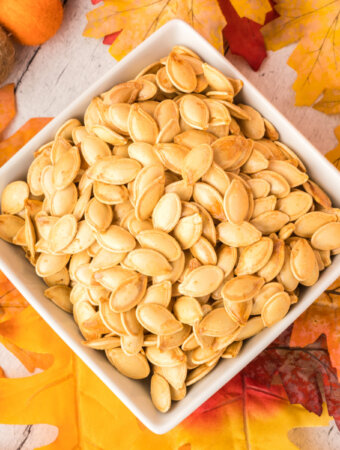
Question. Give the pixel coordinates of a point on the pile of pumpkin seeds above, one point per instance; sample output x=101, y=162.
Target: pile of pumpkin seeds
x=173, y=224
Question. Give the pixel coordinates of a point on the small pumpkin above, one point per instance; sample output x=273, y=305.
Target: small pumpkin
x=31, y=22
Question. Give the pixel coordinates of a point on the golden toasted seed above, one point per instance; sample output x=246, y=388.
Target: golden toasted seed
x=59, y=278
x=98, y=215
x=66, y=129
x=199, y=373
x=135, y=366
x=114, y=170
x=232, y=350
x=113, y=277
x=148, y=262
x=292, y=174
x=226, y=259
x=302, y=259
x=188, y=230
x=35, y=171
x=160, y=393
x=279, y=186
x=132, y=345
x=180, y=188
x=104, y=343
x=181, y=73
x=255, y=163
x=112, y=320
x=149, y=198
x=157, y=319
x=196, y=163
x=204, y=251
x=66, y=168
x=64, y=201
x=217, y=80
x=201, y=281
x=116, y=239
x=142, y=127
x=177, y=268
x=109, y=194
x=192, y=138
x=167, y=212
x=128, y=293
x=160, y=241
x=173, y=340
x=254, y=127
x=97, y=294
x=167, y=358
x=93, y=149
x=62, y=233
x=252, y=327
x=270, y=221
x=210, y=199
x=194, y=112
x=172, y=156
x=10, y=226
x=260, y=188
x=274, y=265
x=327, y=237
x=236, y=202
x=231, y=152
x=159, y=293
x=242, y=288
x=254, y=257
x=13, y=197
x=187, y=310
x=130, y=322
x=217, y=178
x=175, y=376
x=267, y=291
x=217, y=323
x=163, y=81
x=50, y=264
x=275, y=308
x=60, y=295
x=309, y=223
x=238, y=311
x=83, y=239
x=318, y=194
x=263, y=204
x=144, y=153
x=286, y=276
x=238, y=235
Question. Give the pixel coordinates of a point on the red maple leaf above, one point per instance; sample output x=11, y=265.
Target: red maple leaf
x=244, y=36
x=301, y=371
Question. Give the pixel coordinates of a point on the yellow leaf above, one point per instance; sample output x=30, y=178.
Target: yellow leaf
x=7, y=105
x=334, y=155
x=330, y=102
x=138, y=19
x=255, y=10
x=315, y=26
x=68, y=395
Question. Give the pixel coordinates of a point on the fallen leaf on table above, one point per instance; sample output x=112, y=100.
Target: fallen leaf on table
x=322, y=317
x=330, y=102
x=10, y=146
x=243, y=35
x=11, y=301
x=68, y=395
x=334, y=155
x=255, y=10
x=138, y=19
x=7, y=105
x=315, y=27
x=301, y=370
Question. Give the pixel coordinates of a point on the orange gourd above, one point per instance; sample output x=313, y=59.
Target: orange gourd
x=31, y=22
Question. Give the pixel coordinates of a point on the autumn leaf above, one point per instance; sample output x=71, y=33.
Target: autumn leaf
x=10, y=146
x=243, y=35
x=322, y=317
x=301, y=369
x=138, y=19
x=11, y=301
x=68, y=395
x=315, y=26
x=330, y=102
x=254, y=10
x=7, y=105
x=334, y=155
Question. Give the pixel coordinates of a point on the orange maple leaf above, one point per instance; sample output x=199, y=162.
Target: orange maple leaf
x=7, y=105
x=323, y=317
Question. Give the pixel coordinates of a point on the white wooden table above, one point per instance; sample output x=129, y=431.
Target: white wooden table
x=49, y=77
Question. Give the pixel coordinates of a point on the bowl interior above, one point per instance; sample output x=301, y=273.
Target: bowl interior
x=12, y=262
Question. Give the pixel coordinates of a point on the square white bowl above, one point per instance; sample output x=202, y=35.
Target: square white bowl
x=135, y=394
